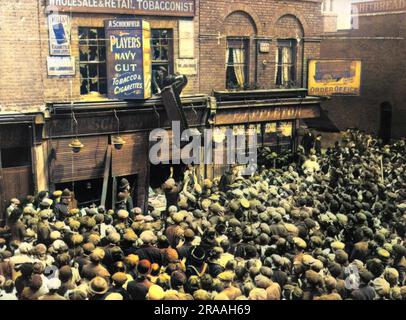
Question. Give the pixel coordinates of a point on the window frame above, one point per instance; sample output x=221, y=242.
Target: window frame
x=292, y=45
x=169, y=63
x=101, y=65
x=234, y=43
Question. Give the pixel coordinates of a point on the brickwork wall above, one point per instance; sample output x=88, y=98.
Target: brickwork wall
x=25, y=85
x=272, y=20
x=68, y=89
x=379, y=42
x=20, y=57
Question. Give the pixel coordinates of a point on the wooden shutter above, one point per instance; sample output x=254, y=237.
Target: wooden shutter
x=85, y=165
x=133, y=157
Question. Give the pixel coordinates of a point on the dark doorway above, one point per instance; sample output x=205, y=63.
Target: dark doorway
x=386, y=122
x=161, y=172
x=86, y=192
x=16, y=174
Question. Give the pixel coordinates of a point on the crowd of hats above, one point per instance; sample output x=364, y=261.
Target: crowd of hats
x=330, y=227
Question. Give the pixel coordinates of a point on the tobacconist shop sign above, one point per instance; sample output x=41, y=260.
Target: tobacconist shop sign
x=128, y=59
x=181, y=8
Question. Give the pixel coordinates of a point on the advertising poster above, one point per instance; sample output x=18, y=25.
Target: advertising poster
x=128, y=59
x=59, y=34
x=187, y=67
x=61, y=66
x=186, y=39
x=334, y=77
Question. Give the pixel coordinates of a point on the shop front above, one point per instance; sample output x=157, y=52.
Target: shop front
x=272, y=115
x=18, y=158
x=94, y=173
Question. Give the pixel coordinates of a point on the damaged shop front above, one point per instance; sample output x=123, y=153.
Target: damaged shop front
x=94, y=173
x=272, y=115
x=109, y=60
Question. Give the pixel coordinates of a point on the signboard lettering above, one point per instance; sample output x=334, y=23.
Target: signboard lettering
x=61, y=66
x=334, y=77
x=379, y=6
x=187, y=67
x=128, y=59
x=184, y=8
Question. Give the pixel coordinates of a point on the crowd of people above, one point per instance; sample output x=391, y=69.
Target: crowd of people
x=329, y=226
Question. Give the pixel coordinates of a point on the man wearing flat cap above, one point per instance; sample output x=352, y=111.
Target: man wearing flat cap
x=148, y=250
x=124, y=187
x=62, y=208
x=139, y=287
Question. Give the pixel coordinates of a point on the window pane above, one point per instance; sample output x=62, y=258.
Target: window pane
x=84, y=53
x=161, y=46
x=236, y=63
x=92, y=70
x=165, y=38
x=83, y=36
x=84, y=87
x=156, y=33
x=103, y=86
x=94, y=85
x=164, y=54
x=270, y=133
x=102, y=71
x=84, y=71
x=102, y=54
x=92, y=55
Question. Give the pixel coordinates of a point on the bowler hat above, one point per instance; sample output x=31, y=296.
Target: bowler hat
x=98, y=286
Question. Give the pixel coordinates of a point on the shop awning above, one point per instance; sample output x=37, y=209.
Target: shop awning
x=323, y=123
x=265, y=106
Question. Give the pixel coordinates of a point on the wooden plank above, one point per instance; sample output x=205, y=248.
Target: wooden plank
x=133, y=157
x=114, y=191
x=89, y=164
x=106, y=176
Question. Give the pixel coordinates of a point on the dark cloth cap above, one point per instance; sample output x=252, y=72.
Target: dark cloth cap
x=144, y=266
x=178, y=279
x=399, y=249
x=123, y=184
x=365, y=275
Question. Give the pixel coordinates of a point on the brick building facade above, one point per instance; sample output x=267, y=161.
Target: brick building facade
x=377, y=38
x=257, y=22
x=267, y=44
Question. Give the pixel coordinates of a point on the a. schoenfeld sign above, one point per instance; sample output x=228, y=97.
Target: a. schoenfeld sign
x=182, y=8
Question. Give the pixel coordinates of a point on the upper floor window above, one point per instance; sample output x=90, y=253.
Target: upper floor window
x=237, y=55
x=286, y=63
x=162, y=55
x=92, y=60
x=328, y=5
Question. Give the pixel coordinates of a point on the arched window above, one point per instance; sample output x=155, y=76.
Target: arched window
x=240, y=51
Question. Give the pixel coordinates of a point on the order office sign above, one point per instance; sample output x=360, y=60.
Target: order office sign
x=181, y=8
x=128, y=59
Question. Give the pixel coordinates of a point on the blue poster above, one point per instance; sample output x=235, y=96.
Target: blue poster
x=128, y=59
